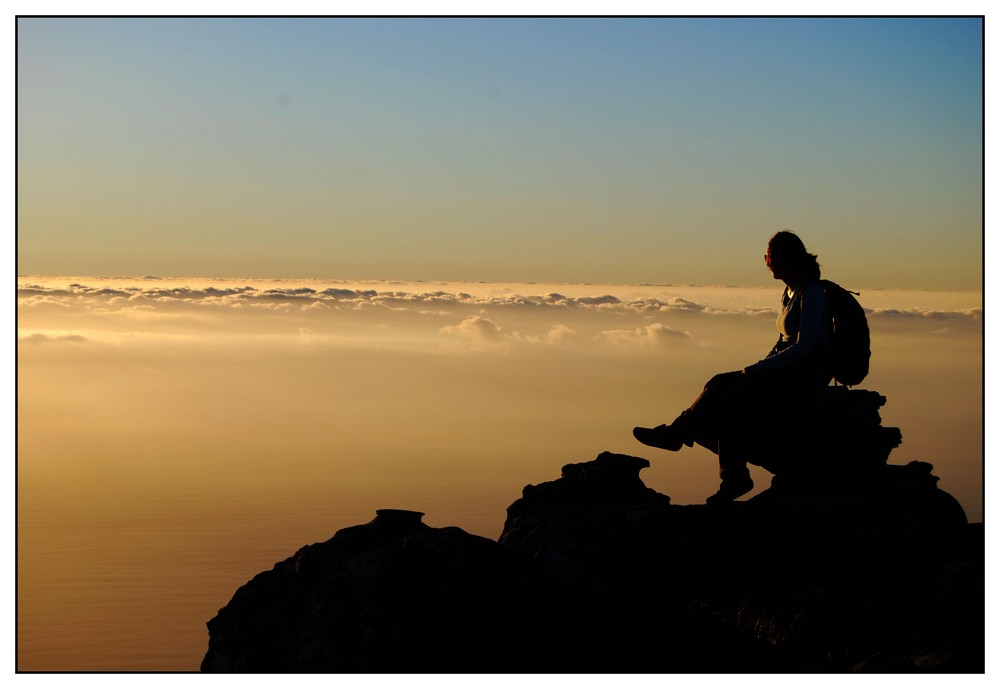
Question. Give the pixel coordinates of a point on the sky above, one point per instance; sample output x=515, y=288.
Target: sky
x=274, y=274
x=580, y=150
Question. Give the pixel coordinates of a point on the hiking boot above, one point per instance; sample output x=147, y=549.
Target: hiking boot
x=663, y=436
x=731, y=488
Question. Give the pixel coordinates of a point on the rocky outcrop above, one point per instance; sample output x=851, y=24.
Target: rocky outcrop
x=838, y=434
x=388, y=596
x=871, y=568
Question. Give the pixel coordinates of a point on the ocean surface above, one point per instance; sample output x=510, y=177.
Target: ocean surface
x=176, y=436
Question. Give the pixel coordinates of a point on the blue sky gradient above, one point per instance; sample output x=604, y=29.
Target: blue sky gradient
x=615, y=150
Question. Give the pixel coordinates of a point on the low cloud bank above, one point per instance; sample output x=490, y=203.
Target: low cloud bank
x=465, y=318
x=77, y=295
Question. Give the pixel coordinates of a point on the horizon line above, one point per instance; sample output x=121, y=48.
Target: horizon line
x=581, y=283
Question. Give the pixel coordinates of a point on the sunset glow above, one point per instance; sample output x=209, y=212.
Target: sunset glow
x=474, y=250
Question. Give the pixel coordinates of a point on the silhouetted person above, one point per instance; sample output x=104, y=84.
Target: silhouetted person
x=737, y=410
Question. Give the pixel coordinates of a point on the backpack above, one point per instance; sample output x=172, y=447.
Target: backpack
x=850, y=335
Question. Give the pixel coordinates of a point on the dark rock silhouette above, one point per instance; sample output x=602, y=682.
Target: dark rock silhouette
x=837, y=434
x=846, y=563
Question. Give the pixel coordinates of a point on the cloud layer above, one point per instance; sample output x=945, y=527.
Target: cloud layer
x=34, y=295
x=404, y=316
